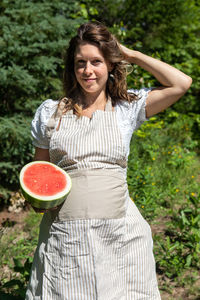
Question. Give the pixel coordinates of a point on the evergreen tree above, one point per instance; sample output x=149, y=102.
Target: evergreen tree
x=33, y=36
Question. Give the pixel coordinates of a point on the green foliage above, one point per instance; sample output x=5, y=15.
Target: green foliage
x=180, y=249
x=16, y=150
x=33, y=37
x=18, y=286
x=16, y=253
x=155, y=157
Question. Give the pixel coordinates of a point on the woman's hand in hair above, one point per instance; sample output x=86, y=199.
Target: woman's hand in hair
x=127, y=53
x=174, y=83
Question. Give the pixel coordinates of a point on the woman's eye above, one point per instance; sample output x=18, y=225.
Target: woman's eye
x=96, y=62
x=80, y=63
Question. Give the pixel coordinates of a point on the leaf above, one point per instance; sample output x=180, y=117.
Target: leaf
x=17, y=263
x=173, y=247
x=188, y=260
x=12, y=283
x=184, y=219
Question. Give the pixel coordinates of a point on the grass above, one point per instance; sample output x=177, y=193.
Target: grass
x=163, y=179
x=16, y=255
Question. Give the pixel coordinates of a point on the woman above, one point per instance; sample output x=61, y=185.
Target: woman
x=97, y=245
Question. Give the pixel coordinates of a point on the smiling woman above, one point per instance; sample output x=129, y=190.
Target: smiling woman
x=91, y=71
x=96, y=245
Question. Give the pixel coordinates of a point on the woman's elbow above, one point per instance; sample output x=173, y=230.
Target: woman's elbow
x=186, y=84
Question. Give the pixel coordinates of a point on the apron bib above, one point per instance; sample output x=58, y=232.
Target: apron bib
x=92, y=152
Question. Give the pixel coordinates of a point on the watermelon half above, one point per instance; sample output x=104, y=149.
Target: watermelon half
x=44, y=184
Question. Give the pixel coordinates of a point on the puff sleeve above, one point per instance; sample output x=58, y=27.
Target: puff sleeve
x=134, y=113
x=137, y=112
x=131, y=115
x=39, y=123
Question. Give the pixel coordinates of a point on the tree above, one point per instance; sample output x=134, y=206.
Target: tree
x=33, y=36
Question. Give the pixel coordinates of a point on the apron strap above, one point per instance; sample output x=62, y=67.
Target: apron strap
x=58, y=115
x=52, y=121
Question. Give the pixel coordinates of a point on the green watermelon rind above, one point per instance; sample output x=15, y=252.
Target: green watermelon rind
x=41, y=201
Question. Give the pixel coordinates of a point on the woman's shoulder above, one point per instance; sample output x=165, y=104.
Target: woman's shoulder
x=40, y=120
x=43, y=113
x=141, y=95
x=46, y=110
x=48, y=106
x=134, y=112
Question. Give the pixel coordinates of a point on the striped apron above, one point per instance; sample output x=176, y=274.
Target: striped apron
x=96, y=246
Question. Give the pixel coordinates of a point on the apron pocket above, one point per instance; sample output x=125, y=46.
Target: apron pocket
x=97, y=194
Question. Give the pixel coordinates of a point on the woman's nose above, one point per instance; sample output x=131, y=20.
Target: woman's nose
x=88, y=68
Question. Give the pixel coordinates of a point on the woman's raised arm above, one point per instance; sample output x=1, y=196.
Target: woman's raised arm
x=174, y=82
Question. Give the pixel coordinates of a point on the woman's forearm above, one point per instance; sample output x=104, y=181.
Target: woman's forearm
x=167, y=75
x=41, y=154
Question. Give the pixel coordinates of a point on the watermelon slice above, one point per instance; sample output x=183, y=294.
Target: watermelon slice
x=44, y=184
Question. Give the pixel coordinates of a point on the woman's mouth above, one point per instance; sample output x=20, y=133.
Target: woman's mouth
x=89, y=79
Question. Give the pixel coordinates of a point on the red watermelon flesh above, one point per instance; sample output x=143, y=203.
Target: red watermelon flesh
x=44, y=180
x=44, y=184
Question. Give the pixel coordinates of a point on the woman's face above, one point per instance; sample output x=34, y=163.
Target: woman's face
x=91, y=69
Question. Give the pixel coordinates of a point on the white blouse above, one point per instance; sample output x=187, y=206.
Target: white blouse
x=129, y=115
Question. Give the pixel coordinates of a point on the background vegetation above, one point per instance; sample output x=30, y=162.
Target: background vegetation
x=163, y=173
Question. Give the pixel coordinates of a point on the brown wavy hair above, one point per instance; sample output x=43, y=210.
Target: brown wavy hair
x=97, y=34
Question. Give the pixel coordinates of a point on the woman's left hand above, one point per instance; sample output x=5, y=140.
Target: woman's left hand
x=126, y=53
